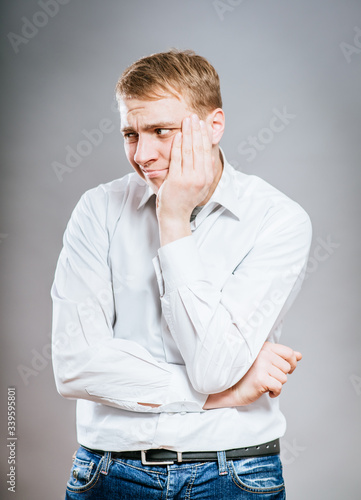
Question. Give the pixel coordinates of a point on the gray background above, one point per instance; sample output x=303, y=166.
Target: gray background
x=269, y=55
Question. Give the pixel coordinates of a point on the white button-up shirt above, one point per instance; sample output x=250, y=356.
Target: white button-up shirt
x=138, y=323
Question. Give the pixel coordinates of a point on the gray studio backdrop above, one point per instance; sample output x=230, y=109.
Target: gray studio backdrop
x=300, y=60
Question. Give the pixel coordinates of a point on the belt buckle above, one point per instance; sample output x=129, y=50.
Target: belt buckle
x=143, y=454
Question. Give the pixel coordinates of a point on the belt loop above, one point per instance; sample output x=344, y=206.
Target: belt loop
x=222, y=463
x=106, y=462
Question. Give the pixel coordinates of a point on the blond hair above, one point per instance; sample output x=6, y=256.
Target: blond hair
x=176, y=73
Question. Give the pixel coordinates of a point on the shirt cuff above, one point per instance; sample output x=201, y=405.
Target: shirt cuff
x=180, y=263
x=182, y=397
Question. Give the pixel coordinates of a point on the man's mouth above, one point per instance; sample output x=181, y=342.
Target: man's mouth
x=153, y=173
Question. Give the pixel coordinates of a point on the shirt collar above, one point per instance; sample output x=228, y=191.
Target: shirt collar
x=148, y=193
x=225, y=193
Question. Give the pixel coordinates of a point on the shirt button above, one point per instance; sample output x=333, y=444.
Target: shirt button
x=183, y=412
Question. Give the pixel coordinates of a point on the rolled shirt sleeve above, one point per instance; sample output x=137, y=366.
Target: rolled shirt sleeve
x=220, y=331
x=89, y=363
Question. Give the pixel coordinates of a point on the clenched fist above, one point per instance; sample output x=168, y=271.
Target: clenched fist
x=267, y=374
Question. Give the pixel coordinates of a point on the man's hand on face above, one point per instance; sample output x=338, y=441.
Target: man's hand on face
x=189, y=180
x=267, y=374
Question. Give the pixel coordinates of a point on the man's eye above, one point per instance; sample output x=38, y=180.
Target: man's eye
x=130, y=136
x=162, y=131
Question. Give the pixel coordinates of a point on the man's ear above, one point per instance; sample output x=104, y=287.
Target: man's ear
x=216, y=122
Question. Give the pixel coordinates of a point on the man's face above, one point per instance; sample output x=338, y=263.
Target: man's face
x=148, y=128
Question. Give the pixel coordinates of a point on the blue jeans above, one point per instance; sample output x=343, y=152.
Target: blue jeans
x=97, y=477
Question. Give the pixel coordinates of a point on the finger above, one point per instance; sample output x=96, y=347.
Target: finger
x=286, y=353
x=175, y=164
x=293, y=368
x=187, y=153
x=280, y=363
x=298, y=355
x=197, y=144
x=277, y=374
x=298, y=358
x=274, y=395
x=207, y=151
x=274, y=387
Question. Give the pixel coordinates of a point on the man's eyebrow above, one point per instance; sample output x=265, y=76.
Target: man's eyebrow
x=126, y=129
x=151, y=126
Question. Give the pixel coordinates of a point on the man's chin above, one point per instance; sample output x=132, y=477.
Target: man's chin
x=155, y=184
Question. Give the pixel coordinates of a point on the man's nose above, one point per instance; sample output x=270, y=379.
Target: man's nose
x=146, y=151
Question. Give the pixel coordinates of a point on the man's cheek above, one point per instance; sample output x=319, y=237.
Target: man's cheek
x=130, y=152
x=137, y=169
x=168, y=149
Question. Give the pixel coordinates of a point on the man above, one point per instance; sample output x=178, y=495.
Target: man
x=169, y=297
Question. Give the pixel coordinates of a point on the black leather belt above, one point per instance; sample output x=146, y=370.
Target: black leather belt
x=168, y=457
